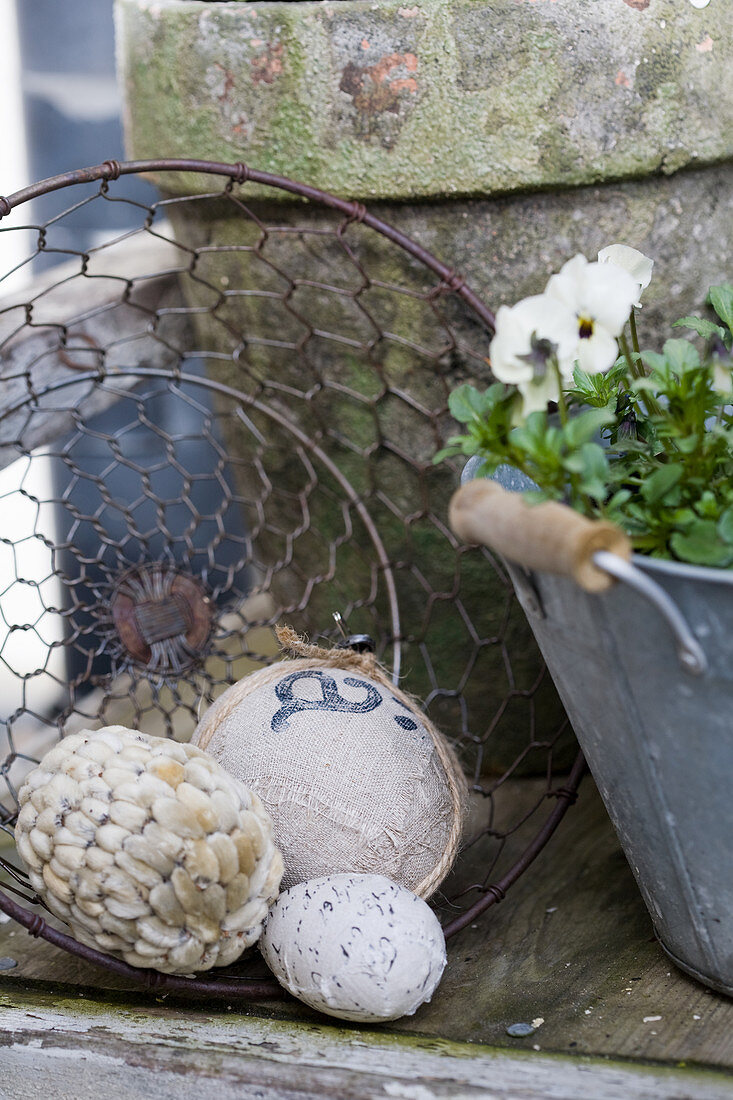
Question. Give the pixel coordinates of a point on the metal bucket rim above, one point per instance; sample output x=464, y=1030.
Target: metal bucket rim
x=683, y=570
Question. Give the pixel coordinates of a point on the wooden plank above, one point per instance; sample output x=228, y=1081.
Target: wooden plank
x=571, y=945
x=78, y=1050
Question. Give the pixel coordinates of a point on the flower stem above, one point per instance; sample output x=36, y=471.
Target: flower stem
x=576, y=497
x=636, y=369
x=562, y=406
x=635, y=338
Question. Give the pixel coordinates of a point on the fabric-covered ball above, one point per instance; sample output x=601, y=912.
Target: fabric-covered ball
x=148, y=850
x=355, y=946
x=354, y=777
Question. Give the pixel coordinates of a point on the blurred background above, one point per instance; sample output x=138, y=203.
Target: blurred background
x=61, y=109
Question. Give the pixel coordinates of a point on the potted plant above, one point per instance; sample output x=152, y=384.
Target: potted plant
x=629, y=455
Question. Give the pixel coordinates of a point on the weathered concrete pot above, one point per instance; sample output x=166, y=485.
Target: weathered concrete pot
x=498, y=105
x=480, y=129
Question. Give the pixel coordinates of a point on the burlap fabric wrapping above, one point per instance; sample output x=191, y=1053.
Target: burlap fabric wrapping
x=353, y=775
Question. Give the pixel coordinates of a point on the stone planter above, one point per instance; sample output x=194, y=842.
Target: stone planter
x=552, y=128
x=503, y=137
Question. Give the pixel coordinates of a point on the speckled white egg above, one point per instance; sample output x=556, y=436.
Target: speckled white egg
x=358, y=947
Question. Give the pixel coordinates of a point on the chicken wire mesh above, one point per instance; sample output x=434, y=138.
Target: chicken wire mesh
x=226, y=419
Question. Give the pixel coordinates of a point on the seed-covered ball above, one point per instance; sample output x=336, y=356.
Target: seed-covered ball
x=148, y=850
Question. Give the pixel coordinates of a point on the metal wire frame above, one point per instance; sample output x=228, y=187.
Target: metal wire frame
x=242, y=173
x=451, y=283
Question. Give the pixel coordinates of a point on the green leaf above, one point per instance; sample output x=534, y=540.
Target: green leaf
x=618, y=499
x=536, y=438
x=581, y=428
x=701, y=545
x=688, y=444
x=654, y=361
x=658, y=484
x=466, y=402
x=721, y=299
x=725, y=525
x=701, y=326
x=681, y=355
x=684, y=518
x=586, y=382
x=458, y=445
x=707, y=506
x=591, y=465
x=536, y=496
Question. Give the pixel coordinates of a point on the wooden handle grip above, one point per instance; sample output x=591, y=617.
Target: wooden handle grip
x=550, y=536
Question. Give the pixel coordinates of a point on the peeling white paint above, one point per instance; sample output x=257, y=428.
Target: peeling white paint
x=63, y=1054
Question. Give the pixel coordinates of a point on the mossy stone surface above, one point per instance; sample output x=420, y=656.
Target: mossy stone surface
x=397, y=100
x=337, y=331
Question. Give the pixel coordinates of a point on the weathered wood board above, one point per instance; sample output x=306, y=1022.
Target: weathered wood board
x=78, y=1050
x=571, y=948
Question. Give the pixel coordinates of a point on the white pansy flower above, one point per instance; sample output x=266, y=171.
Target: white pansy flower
x=598, y=298
x=722, y=381
x=527, y=334
x=537, y=392
x=722, y=360
x=630, y=259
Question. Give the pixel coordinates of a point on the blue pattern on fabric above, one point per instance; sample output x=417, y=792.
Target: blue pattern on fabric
x=331, y=699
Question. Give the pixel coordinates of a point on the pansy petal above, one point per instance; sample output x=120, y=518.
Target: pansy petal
x=598, y=353
x=566, y=285
x=608, y=295
x=537, y=393
x=509, y=343
x=537, y=317
x=722, y=379
x=630, y=259
x=594, y=292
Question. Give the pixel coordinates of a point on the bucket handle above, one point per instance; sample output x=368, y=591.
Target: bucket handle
x=552, y=538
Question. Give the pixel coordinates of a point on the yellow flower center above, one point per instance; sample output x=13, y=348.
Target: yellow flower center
x=585, y=327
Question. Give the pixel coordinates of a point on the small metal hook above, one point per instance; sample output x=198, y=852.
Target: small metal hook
x=360, y=643
x=339, y=620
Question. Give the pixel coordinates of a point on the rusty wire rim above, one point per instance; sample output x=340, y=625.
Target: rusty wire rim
x=237, y=174
x=242, y=173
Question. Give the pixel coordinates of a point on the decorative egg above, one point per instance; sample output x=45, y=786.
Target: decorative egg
x=358, y=947
x=355, y=777
x=148, y=850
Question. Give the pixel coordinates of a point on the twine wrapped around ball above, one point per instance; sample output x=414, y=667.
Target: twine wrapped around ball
x=355, y=777
x=148, y=850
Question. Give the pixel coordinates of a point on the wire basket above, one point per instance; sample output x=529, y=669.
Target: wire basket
x=224, y=418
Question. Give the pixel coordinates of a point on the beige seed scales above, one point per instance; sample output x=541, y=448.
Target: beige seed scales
x=148, y=849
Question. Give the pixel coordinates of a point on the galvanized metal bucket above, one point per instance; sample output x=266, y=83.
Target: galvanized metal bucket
x=645, y=671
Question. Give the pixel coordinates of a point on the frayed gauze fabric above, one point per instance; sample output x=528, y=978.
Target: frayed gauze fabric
x=353, y=775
